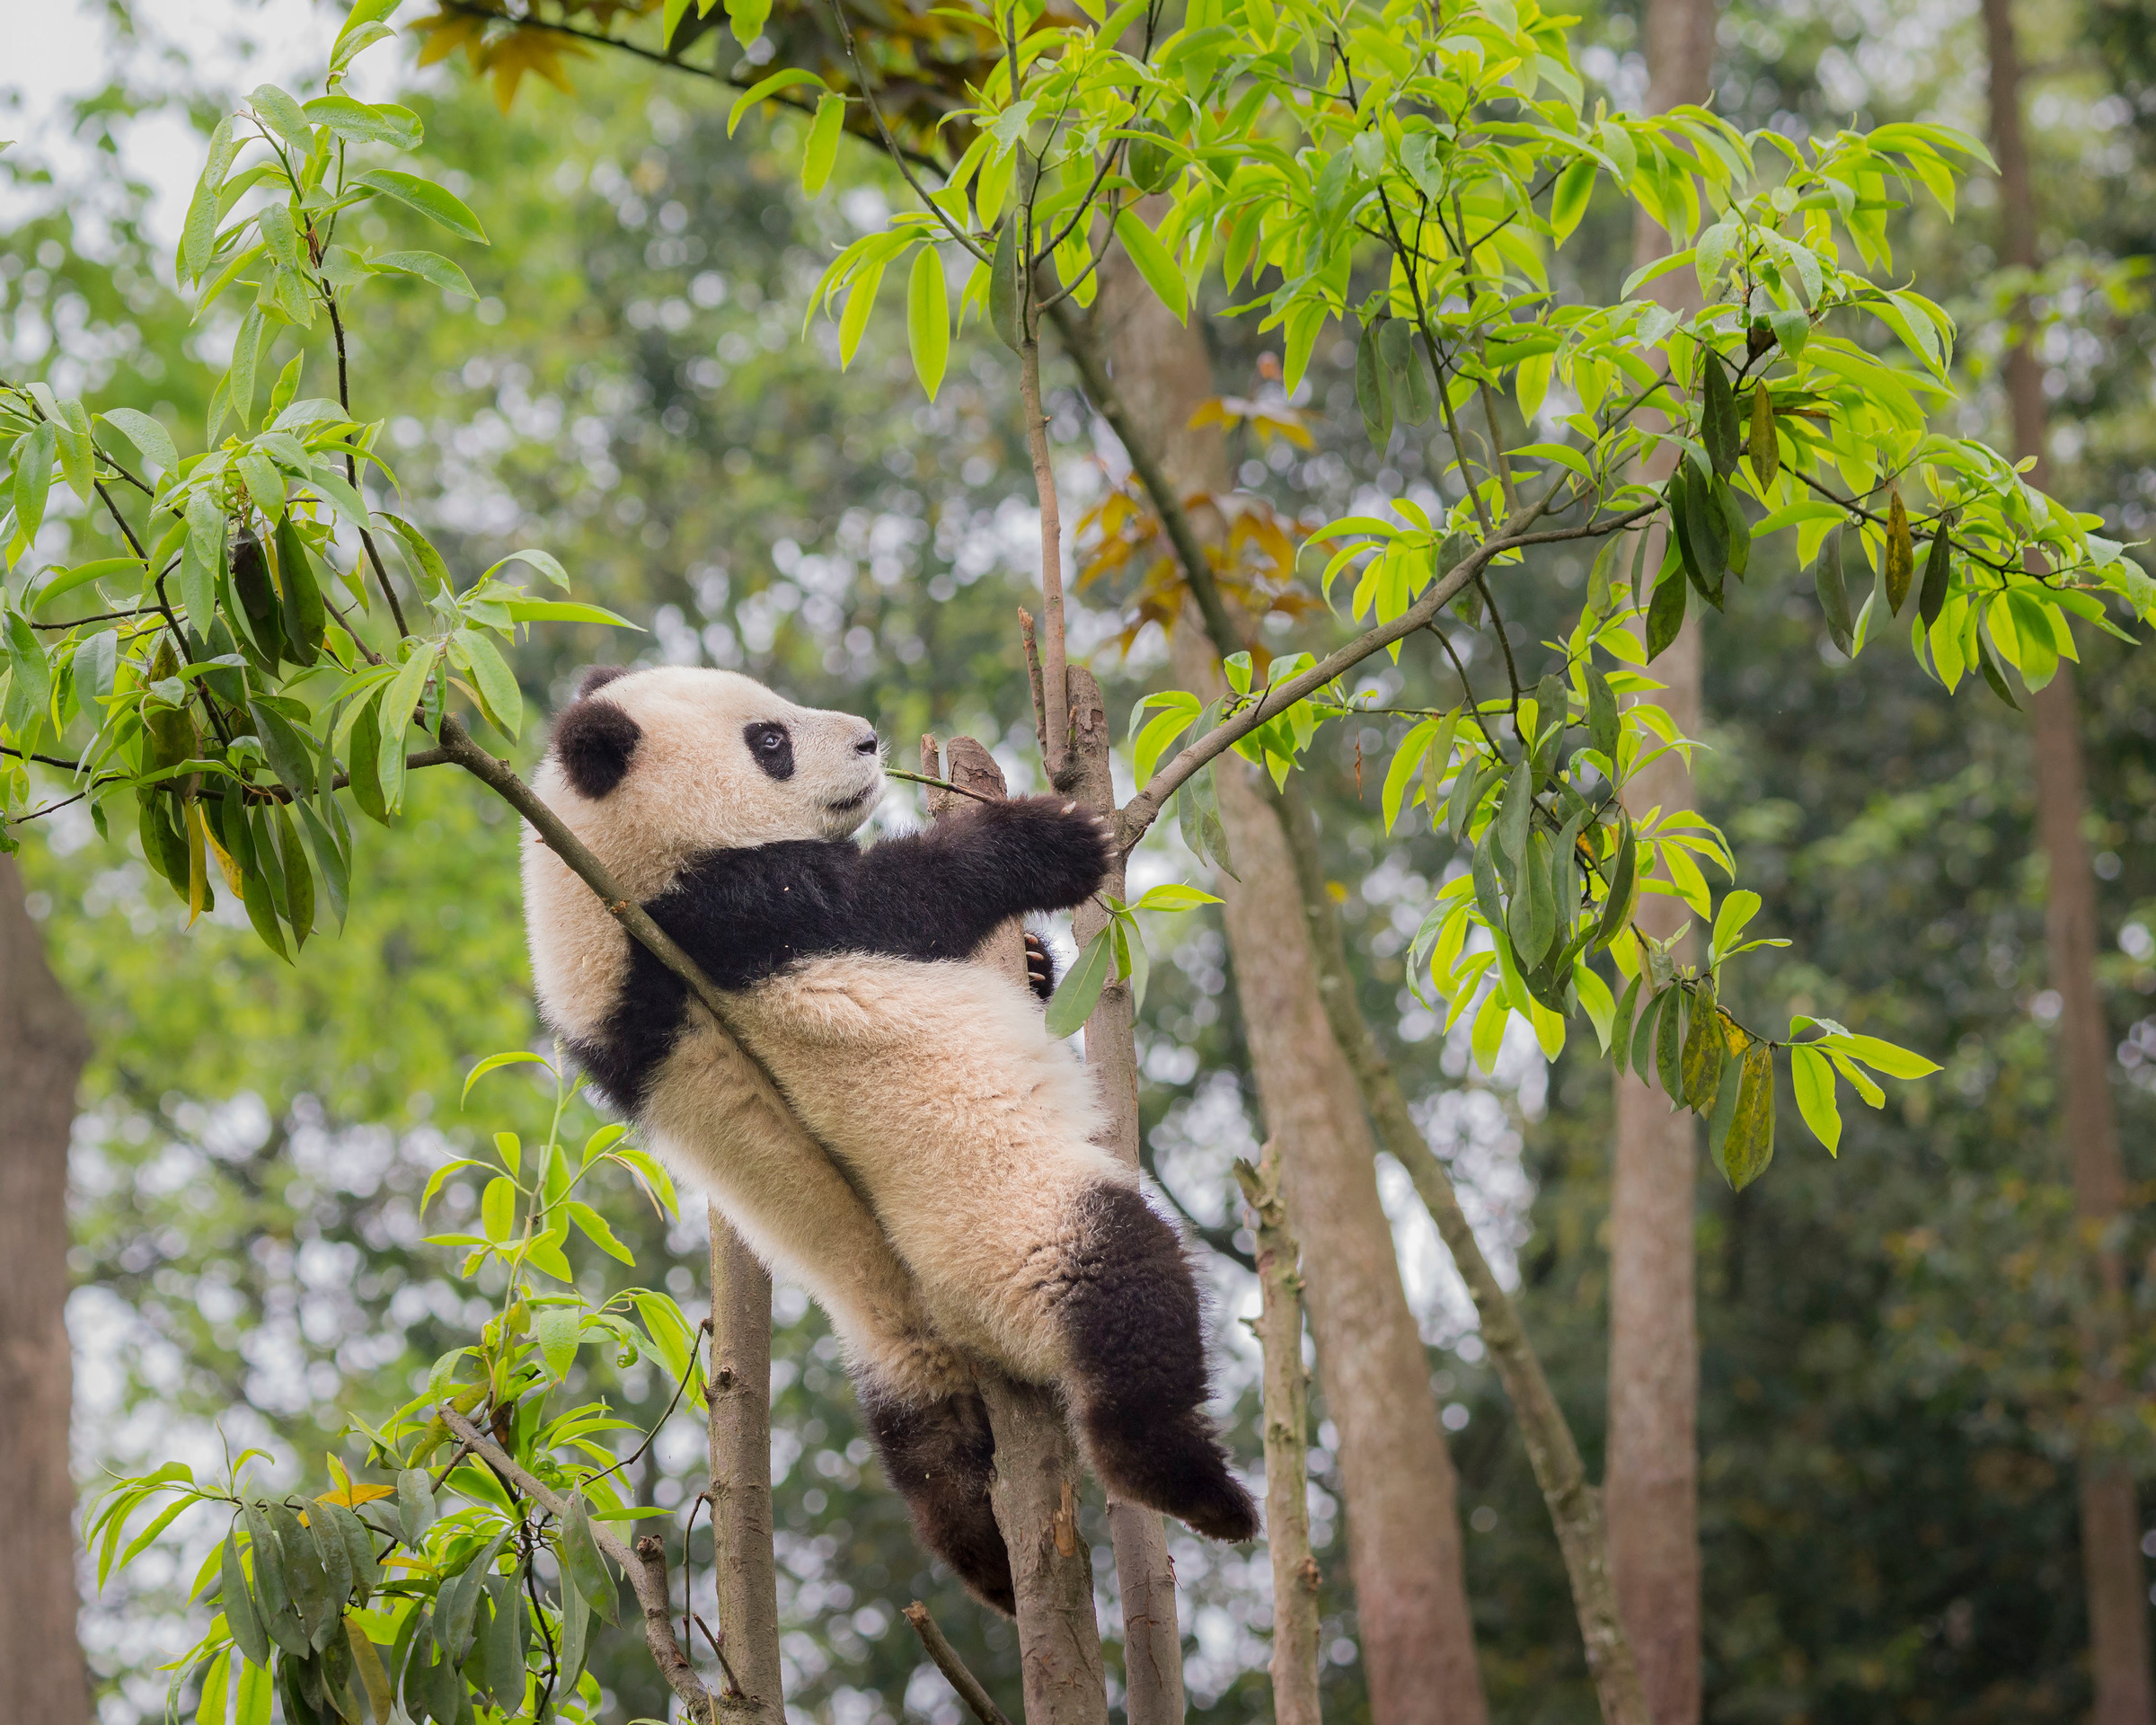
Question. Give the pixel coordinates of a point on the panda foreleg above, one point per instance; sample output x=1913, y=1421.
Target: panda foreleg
x=1129, y=1308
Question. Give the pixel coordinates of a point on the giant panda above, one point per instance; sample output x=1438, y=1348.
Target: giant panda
x=947, y=1202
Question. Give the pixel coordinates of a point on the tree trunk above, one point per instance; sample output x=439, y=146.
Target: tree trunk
x=740, y=1393
x=43, y=1047
x=1396, y=1479
x=2110, y=1518
x=1651, y=1482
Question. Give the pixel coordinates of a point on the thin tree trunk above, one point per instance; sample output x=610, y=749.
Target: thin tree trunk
x=1294, y=1662
x=739, y=1394
x=2110, y=1520
x=43, y=1047
x=1651, y=1478
x=1034, y=1489
x=1575, y=1506
x=1152, y=1648
x=1397, y=1484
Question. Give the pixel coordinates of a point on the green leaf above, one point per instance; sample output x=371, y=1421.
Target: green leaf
x=498, y=1210
x=1173, y=895
x=1669, y=1056
x=592, y=1227
x=1719, y=427
x=1603, y=723
x=580, y=1556
x=927, y=317
x=1076, y=994
x=1738, y=908
x=33, y=455
x=493, y=1062
x=770, y=86
x=1704, y=1046
x=363, y=123
x=1834, y=595
x=1813, y=1076
x=1992, y=673
x=1750, y=1144
x=544, y=562
x=1568, y=200
x=428, y=266
x=1153, y=261
x=415, y=1503
x=443, y=208
x=496, y=684
x=1374, y=390
x=824, y=133
x=1515, y=811
x=1666, y=611
x=284, y=116
x=558, y=1329
x=241, y=1616
x=147, y=434
x=861, y=300
x=1932, y=600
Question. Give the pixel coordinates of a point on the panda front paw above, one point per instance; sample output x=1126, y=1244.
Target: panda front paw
x=1058, y=851
x=1040, y=967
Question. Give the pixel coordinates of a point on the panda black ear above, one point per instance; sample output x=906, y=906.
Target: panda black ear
x=593, y=740
x=598, y=676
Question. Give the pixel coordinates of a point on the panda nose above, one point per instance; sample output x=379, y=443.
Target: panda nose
x=867, y=745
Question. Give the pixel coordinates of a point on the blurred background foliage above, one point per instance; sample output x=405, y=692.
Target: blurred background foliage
x=1887, y=1417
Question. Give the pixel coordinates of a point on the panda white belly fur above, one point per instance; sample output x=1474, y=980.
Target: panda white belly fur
x=946, y=1201
x=937, y=1088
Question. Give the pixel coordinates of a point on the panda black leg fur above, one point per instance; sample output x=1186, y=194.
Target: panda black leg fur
x=1138, y=1367
x=940, y=1455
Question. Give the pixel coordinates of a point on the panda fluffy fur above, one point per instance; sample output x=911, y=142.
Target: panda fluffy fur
x=948, y=1201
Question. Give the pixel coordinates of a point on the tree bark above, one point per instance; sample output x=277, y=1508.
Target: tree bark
x=740, y=1396
x=1397, y=1482
x=1295, y=1661
x=2112, y=1573
x=1651, y=1477
x=1034, y=1489
x=43, y=1047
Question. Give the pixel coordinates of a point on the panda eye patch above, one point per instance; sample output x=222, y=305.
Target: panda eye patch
x=771, y=747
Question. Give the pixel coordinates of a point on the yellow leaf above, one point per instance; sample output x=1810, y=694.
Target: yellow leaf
x=352, y=1497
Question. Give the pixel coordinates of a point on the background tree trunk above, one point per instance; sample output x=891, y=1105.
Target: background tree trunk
x=2110, y=1517
x=1651, y=1482
x=43, y=1047
x=740, y=1393
x=1396, y=1479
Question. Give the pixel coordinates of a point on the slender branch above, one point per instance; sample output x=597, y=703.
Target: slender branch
x=971, y=1691
x=890, y=143
x=1144, y=809
x=1057, y=710
x=646, y=1568
x=351, y=466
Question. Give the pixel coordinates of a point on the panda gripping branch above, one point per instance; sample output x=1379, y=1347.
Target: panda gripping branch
x=930, y=1175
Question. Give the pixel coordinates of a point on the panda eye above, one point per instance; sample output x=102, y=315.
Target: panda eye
x=772, y=747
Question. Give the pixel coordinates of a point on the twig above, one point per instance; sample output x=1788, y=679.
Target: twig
x=351, y=466
x=1056, y=708
x=733, y=1683
x=940, y=784
x=1041, y=705
x=646, y=1568
x=977, y=1699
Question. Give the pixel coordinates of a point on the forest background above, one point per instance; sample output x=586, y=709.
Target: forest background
x=1888, y=1354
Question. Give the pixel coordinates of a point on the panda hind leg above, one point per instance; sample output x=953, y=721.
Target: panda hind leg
x=940, y=1454
x=1129, y=1309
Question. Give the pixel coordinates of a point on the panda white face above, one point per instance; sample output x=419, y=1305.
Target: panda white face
x=649, y=767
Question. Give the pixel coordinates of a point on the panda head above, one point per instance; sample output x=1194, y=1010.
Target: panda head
x=649, y=767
